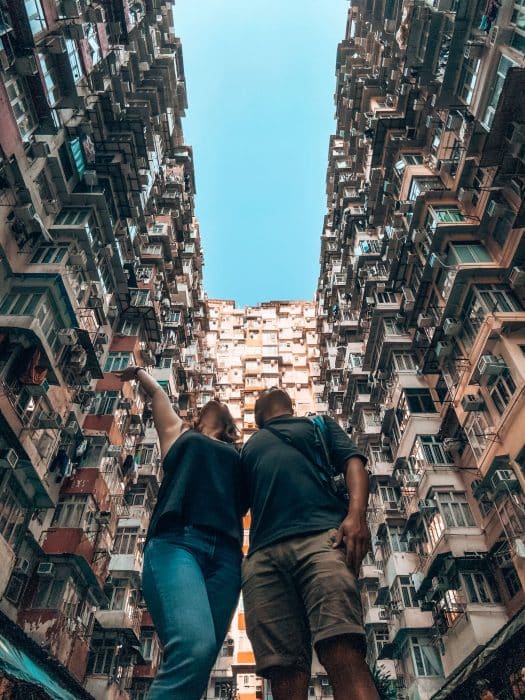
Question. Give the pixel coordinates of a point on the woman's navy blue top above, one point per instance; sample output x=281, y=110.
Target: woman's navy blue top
x=201, y=487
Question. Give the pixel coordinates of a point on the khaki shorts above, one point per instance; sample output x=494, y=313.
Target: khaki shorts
x=296, y=594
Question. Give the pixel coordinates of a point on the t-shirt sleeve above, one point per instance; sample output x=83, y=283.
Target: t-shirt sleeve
x=341, y=447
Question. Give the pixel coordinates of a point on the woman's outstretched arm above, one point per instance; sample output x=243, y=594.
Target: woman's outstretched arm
x=168, y=423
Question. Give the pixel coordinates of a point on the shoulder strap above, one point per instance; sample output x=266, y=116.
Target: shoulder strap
x=323, y=436
x=324, y=466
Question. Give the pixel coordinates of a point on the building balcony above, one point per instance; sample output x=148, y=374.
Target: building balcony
x=131, y=563
x=73, y=544
x=127, y=621
x=469, y=630
x=408, y=620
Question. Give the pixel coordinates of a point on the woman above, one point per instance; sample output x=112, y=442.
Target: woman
x=192, y=556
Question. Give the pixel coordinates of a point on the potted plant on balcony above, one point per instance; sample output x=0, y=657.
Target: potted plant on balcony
x=386, y=686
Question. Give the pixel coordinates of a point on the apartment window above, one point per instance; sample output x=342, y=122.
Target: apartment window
x=467, y=79
x=22, y=106
x=118, y=599
x=49, y=593
x=501, y=390
x=404, y=592
x=129, y=328
x=146, y=454
x=222, y=689
x=423, y=184
x=35, y=15
x=425, y=657
x=93, y=45
x=104, y=403
x=48, y=255
x=479, y=589
x=404, y=362
x=420, y=401
x=443, y=215
x=388, y=494
x=117, y=361
x=73, y=511
x=74, y=60
x=16, y=587
x=21, y=303
x=149, y=646
x=50, y=78
x=101, y=655
x=392, y=328
x=408, y=159
x=47, y=316
x=69, y=216
x=432, y=450
x=125, y=540
x=460, y=253
x=477, y=429
x=166, y=363
x=455, y=509
x=497, y=87
x=12, y=515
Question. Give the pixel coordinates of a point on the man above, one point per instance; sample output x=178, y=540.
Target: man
x=306, y=548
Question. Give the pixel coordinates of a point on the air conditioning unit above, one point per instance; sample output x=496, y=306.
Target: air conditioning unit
x=412, y=480
x=443, y=349
x=26, y=213
x=8, y=458
x=39, y=149
x=46, y=569
x=79, y=258
x=22, y=566
x=452, y=444
x=26, y=65
x=90, y=178
x=429, y=121
x=425, y=320
x=454, y=121
x=472, y=402
x=49, y=420
x=517, y=277
x=465, y=195
x=125, y=404
x=78, y=357
x=67, y=336
x=491, y=365
x=409, y=299
x=385, y=441
x=451, y=327
x=114, y=450
x=384, y=614
x=500, y=35
x=434, y=260
x=503, y=477
x=496, y=209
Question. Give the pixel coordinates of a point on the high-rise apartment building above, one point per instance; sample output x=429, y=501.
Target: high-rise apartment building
x=421, y=316
x=100, y=267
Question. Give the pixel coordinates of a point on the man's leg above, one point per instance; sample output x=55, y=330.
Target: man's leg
x=276, y=623
x=347, y=669
x=289, y=683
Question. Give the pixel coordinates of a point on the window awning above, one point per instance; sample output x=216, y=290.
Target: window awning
x=24, y=660
x=482, y=658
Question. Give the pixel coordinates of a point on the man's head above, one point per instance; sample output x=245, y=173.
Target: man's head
x=272, y=402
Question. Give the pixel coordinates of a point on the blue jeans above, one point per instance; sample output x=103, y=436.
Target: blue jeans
x=191, y=583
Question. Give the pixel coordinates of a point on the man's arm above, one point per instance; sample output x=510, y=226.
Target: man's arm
x=354, y=531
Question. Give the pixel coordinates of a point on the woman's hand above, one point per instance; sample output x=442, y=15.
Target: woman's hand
x=128, y=374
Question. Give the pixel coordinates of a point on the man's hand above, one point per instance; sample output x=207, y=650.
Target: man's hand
x=355, y=534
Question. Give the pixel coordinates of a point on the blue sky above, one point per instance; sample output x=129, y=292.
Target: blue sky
x=260, y=77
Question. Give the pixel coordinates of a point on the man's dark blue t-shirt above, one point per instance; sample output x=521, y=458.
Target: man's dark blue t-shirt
x=286, y=492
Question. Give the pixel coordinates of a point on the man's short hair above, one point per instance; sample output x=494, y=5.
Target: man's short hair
x=268, y=401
